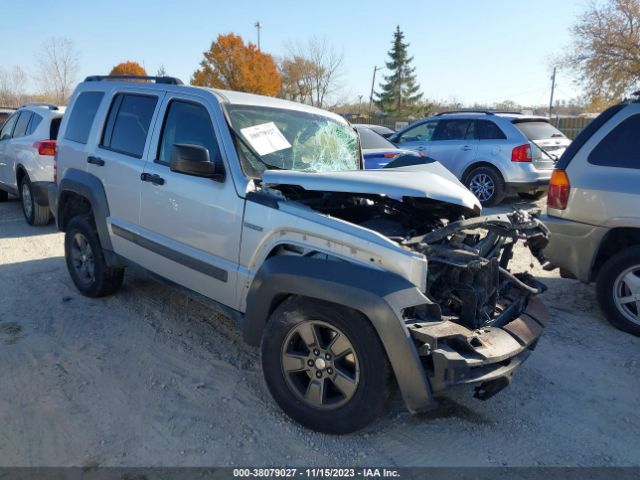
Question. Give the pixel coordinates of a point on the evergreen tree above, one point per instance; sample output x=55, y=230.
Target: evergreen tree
x=400, y=93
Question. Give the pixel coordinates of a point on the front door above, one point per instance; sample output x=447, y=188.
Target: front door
x=191, y=225
x=417, y=138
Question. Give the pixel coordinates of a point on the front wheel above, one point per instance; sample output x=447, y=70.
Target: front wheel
x=85, y=260
x=34, y=214
x=618, y=290
x=325, y=366
x=486, y=184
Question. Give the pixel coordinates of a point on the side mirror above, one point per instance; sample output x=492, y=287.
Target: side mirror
x=194, y=160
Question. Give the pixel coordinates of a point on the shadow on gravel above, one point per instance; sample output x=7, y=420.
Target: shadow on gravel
x=14, y=225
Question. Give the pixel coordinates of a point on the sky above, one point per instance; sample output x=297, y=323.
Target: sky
x=467, y=51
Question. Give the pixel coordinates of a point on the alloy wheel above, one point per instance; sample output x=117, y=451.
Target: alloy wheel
x=482, y=186
x=626, y=293
x=27, y=200
x=320, y=365
x=82, y=259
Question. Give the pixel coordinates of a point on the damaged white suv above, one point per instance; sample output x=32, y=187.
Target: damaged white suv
x=351, y=281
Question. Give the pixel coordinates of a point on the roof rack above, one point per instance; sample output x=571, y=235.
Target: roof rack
x=485, y=112
x=50, y=106
x=164, y=80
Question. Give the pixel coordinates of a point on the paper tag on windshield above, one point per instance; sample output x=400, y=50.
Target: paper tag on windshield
x=265, y=138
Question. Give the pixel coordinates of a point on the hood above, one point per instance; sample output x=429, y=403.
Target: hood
x=430, y=180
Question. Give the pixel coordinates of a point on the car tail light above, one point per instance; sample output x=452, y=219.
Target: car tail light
x=559, y=188
x=521, y=153
x=389, y=155
x=46, y=147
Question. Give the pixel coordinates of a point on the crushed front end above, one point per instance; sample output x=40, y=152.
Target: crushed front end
x=484, y=320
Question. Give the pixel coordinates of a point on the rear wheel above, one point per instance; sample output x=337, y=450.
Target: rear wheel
x=34, y=214
x=532, y=196
x=486, y=184
x=618, y=290
x=325, y=366
x=85, y=260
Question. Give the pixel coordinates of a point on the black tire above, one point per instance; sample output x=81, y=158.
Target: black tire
x=532, y=196
x=493, y=176
x=374, y=380
x=100, y=279
x=608, y=285
x=4, y=196
x=34, y=214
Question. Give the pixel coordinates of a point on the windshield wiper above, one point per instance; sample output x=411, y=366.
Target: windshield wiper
x=554, y=159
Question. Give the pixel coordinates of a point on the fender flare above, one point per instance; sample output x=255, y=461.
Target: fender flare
x=90, y=187
x=380, y=296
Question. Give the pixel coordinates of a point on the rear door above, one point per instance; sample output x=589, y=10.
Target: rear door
x=6, y=133
x=19, y=148
x=454, y=144
x=119, y=157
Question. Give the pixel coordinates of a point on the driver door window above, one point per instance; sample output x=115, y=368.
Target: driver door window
x=187, y=123
x=420, y=133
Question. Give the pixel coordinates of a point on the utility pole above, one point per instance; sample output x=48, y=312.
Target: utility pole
x=373, y=82
x=360, y=105
x=553, y=87
x=258, y=26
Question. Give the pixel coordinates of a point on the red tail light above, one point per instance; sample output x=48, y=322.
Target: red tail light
x=559, y=188
x=389, y=155
x=46, y=147
x=521, y=153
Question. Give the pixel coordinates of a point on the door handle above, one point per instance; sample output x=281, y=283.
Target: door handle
x=421, y=147
x=466, y=148
x=152, y=178
x=95, y=161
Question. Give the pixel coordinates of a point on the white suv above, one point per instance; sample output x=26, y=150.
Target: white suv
x=27, y=149
x=346, y=278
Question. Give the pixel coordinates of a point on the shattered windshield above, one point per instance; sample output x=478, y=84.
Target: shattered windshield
x=273, y=138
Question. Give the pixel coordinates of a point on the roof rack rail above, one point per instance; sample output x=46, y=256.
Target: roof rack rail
x=50, y=106
x=486, y=112
x=164, y=80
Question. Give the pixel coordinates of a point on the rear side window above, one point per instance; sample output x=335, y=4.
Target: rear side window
x=128, y=123
x=7, y=128
x=621, y=147
x=487, y=130
x=54, y=128
x=82, y=115
x=454, y=130
x=22, y=124
x=187, y=123
x=538, y=130
x=35, y=122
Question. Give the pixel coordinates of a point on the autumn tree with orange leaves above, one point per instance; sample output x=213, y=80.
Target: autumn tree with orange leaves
x=231, y=64
x=128, y=68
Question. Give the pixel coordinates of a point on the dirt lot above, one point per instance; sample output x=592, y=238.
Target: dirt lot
x=149, y=377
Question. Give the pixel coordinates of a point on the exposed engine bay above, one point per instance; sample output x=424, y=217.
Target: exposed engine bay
x=468, y=256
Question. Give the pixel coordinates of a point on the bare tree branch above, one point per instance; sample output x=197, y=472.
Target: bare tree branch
x=57, y=68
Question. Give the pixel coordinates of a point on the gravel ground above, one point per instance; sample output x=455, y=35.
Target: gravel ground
x=149, y=377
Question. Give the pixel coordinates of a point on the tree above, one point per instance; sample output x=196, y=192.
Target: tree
x=162, y=72
x=400, y=93
x=128, y=68
x=12, y=87
x=57, y=68
x=605, y=52
x=311, y=72
x=231, y=64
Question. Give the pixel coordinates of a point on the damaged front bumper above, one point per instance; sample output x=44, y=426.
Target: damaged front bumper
x=455, y=355
x=483, y=321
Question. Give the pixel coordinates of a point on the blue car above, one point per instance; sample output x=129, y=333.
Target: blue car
x=378, y=151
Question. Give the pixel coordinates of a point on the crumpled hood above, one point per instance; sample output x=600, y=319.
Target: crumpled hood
x=430, y=180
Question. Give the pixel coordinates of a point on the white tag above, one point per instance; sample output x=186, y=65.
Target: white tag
x=265, y=138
